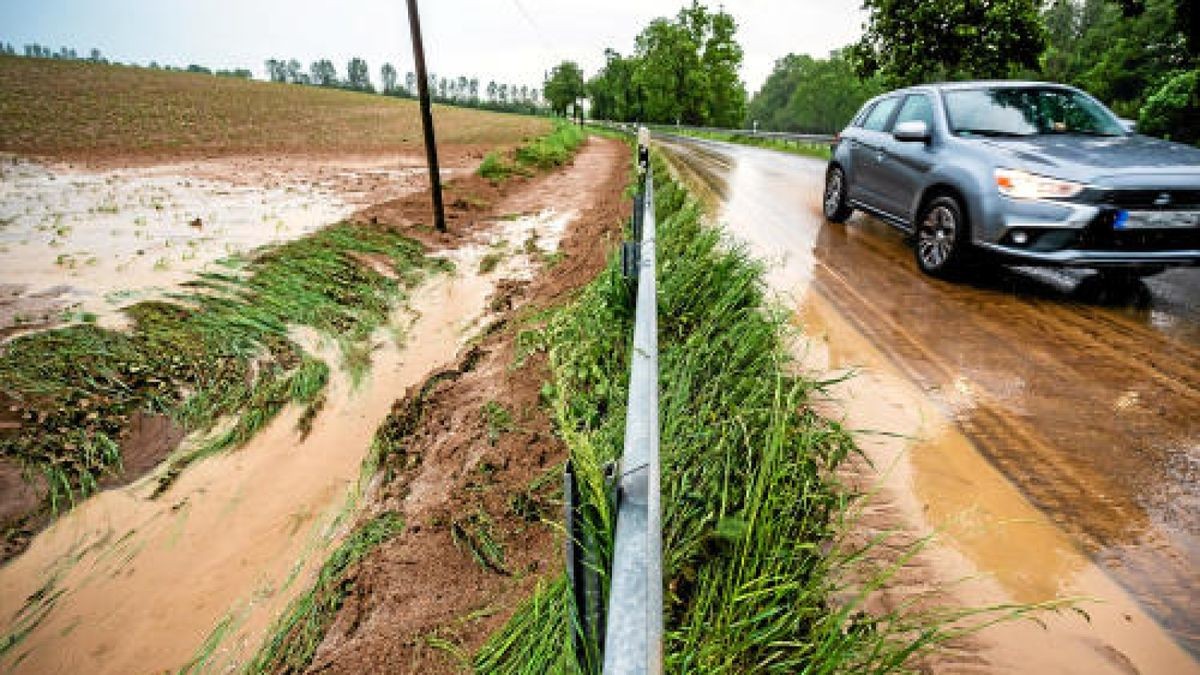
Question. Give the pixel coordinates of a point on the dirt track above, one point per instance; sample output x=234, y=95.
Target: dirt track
x=1088, y=404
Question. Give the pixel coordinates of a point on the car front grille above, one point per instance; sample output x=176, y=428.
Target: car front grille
x=1151, y=200
x=1100, y=236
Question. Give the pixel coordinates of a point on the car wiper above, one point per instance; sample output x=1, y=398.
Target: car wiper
x=994, y=133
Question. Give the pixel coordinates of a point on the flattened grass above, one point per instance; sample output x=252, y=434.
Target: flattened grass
x=219, y=351
x=297, y=634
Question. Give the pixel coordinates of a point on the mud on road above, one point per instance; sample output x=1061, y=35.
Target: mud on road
x=1088, y=402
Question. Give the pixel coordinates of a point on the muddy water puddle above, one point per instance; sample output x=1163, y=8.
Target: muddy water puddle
x=124, y=583
x=990, y=545
x=91, y=242
x=1046, y=430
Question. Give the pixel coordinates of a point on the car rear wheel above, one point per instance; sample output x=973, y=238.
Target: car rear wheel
x=836, y=208
x=942, y=244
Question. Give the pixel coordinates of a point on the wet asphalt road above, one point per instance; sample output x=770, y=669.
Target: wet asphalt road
x=1087, y=399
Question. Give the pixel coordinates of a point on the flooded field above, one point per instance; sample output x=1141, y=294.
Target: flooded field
x=81, y=244
x=88, y=243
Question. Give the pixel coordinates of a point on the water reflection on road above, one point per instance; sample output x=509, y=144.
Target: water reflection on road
x=1086, y=399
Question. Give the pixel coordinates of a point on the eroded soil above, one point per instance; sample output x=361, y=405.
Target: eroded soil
x=127, y=582
x=458, y=474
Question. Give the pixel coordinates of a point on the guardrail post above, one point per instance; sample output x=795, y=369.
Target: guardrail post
x=583, y=572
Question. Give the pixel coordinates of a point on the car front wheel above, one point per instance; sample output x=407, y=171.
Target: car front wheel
x=836, y=208
x=942, y=238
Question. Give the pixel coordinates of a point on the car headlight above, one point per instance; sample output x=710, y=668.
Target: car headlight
x=1024, y=185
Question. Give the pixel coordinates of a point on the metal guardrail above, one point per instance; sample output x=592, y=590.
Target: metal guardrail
x=633, y=643
x=786, y=136
x=776, y=135
x=631, y=629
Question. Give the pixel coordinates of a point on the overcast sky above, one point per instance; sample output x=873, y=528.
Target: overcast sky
x=512, y=41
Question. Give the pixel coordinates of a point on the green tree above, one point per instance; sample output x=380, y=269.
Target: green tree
x=358, y=76
x=612, y=91
x=323, y=73
x=1119, y=54
x=687, y=69
x=564, y=86
x=810, y=95
x=1173, y=111
x=914, y=41
x=388, y=76
x=722, y=57
x=276, y=70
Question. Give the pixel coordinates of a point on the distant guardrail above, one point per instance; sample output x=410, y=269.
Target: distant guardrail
x=785, y=136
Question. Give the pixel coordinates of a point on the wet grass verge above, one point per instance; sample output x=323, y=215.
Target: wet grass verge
x=215, y=359
x=755, y=578
x=541, y=154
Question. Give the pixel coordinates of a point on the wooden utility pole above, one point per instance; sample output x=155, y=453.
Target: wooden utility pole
x=435, y=178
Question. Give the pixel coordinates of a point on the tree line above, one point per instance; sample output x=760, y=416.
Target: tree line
x=458, y=90
x=37, y=51
x=1140, y=57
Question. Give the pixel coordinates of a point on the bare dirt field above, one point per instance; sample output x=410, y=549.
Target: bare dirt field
x=98, y=113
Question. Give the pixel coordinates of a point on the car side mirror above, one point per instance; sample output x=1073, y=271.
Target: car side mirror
x=1130, y=125
x=915, y=131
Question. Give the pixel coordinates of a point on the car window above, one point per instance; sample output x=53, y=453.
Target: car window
x=916, y=108
x=862, y=115
x=1028, y=111
x=878, y=119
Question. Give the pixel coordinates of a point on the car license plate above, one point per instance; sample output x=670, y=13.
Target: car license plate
x=1156, y=220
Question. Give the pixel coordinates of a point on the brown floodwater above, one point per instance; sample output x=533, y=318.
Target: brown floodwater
x=129, y=583
x=1030, y=387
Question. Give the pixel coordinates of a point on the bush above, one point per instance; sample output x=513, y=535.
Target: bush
x=1173, y=111
x=540, y=154
x=495, y=168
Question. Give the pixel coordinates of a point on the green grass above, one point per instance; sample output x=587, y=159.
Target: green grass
x=219, y=351
x=297, y=634
x=473, y=533
x=540, y=154
x=754, y=578
x=498, y=420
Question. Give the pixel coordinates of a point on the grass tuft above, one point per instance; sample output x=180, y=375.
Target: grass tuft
x=296, y=635
x=541, y=154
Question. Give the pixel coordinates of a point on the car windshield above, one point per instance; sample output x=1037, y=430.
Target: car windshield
x=1028, y=111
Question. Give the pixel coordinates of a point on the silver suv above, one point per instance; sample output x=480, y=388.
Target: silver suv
x=1029, y=172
